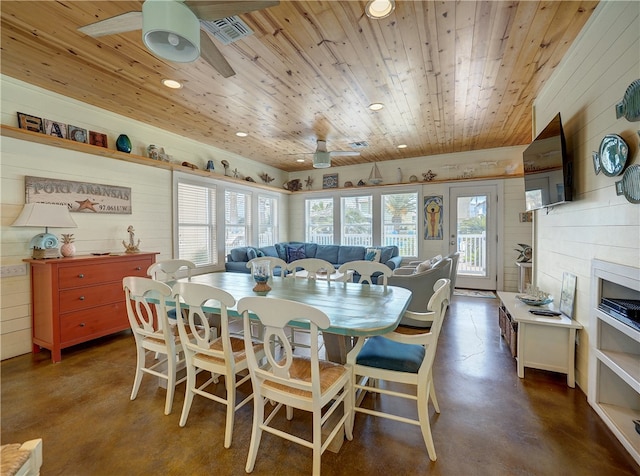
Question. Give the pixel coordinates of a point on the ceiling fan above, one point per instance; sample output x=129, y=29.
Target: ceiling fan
x=171, y=29
x=322, y=157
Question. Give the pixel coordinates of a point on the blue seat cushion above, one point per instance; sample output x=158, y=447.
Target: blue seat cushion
x=386, y=354
x=171, y=314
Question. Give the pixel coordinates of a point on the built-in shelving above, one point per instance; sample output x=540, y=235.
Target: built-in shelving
x=614, y=355
x=39, y=138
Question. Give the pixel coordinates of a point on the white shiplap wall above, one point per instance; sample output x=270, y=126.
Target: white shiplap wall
x=588, y=83
x=151, y=192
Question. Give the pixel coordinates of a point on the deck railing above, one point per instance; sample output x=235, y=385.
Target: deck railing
x=473, y=256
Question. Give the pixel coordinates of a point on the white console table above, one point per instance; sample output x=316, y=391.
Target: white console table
x=546, y=343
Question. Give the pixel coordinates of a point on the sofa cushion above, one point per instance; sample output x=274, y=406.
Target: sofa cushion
x=239, y=254
x=388, y=252
x=328, y=253
x=268, y=251
x=295, y=252
x=311, y=249
x=373, y=254
x=424, y=266
x=252, y=253
x=281, y=249
x=349, y=253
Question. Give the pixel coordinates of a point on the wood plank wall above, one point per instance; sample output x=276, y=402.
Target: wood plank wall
x=599, y=224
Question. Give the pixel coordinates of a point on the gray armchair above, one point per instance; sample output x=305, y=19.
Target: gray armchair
x=421, y=287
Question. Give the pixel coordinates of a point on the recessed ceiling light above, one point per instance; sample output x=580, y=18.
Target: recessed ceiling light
x=299, y=160
x=378, y=9
x=376, y=106
x=402, y=146
x=172, y=83
x=242, y=134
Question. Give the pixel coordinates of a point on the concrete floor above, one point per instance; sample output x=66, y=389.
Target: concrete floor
x=492, y=422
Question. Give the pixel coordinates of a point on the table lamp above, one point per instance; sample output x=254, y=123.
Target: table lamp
x=45, y=245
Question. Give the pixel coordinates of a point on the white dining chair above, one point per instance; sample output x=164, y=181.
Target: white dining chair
x=402, y=358
x=308, y=268
x=221, y=356
x=367, y=271
x=314, y=268
x=171, y=269
x=305, y=383
x=147, y=313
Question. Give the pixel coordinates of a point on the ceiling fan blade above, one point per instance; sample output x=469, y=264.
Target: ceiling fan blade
x=215, y=10
x=112, y=26
x=211, y=54
x=344, y=153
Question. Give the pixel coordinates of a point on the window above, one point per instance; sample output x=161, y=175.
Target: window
x=356, y=221
x=400, y=222
x=319, y=220
x=267, y=221
x=197, y=223
x=237, y=219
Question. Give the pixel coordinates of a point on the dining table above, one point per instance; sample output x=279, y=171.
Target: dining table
x=353, y=309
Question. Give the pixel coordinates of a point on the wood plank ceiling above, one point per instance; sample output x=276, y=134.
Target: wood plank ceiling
x=453, y=76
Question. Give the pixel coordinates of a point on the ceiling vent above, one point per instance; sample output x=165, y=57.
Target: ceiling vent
x=359, y=144
x=227, y=30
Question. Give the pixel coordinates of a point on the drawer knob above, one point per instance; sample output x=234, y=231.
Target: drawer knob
x=82, y=298
x=82, y=324
x=81, y=275
x=138, y=268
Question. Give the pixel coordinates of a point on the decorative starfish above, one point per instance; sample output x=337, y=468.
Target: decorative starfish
x=309, y=182
x=429, y=176
x=87, y=205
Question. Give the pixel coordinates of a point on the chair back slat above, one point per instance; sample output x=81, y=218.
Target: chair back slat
x=367, y=270
x=170, y=270
x=312, y=266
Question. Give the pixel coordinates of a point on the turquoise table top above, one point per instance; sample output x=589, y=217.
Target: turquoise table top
x=354, y=309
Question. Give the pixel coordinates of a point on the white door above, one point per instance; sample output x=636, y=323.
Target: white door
x=473, y=232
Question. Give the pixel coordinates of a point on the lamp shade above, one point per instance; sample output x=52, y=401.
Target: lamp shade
x=45, y=214
x=171, y=30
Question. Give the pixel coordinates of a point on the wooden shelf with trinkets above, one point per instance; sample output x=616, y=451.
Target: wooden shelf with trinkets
x=53, y=141
x=39, y=138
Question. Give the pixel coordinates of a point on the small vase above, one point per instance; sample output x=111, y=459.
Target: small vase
x=261, y=273
x=68, y=249
x=123, y=144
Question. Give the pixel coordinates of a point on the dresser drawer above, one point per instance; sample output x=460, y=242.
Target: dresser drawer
x=83, y=325
x=90, y=296
x=76, y=276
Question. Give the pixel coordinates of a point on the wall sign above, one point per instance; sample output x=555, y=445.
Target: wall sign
x=81, y=197
x=433, y=212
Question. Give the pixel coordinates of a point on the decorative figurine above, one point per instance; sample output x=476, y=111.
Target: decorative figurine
x=190, y=165
x=132, y=247
x=68, y=248
x=236, y=174
x=308, y=182
x=225, y=164
x=429, y=176
x=210, y=166
x=265, y=178
x=293, y=185
x=123, y=144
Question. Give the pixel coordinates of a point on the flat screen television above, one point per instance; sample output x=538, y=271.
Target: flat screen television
x=548, y=169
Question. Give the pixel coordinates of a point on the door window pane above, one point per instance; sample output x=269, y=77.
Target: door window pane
x=472, y=235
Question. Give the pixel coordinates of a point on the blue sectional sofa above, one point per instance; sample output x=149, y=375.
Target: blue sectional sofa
x=290, y=251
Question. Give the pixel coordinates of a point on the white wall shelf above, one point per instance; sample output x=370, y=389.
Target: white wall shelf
x=614, y=355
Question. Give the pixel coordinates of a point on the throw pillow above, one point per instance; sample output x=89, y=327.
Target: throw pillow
x=372, y=254
x=251, y=254
x=260, y=253
x=295, y=252
x=424, y=266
